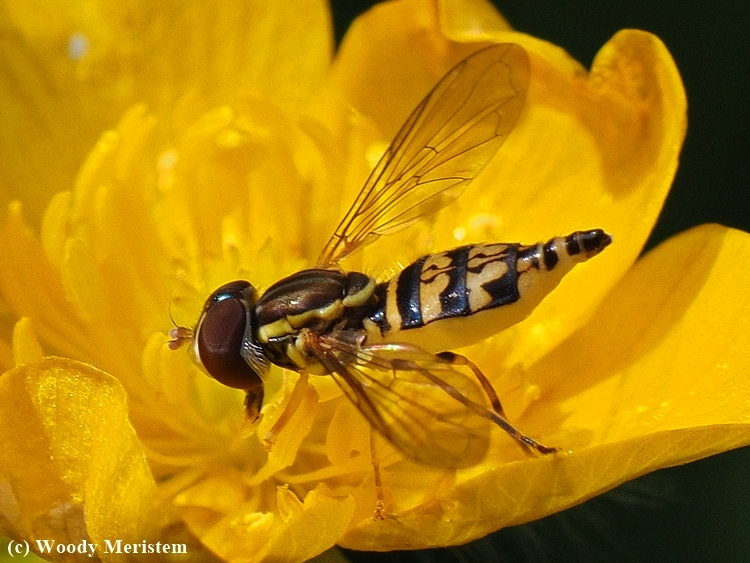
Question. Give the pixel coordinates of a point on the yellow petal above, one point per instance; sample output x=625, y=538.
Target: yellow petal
x=303, y=529
x=70, y=463
x=470, y=20
x=313, y=527
x=658, y=377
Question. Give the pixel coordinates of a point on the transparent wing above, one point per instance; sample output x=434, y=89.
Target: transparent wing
x=446, y=141
x=425, y=407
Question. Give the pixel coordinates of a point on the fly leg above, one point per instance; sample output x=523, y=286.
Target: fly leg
x=253, y=403
x=379, y=497
x=497, y=414
x=458, y=360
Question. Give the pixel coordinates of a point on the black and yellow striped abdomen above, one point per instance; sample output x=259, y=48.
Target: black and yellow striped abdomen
x=429, y=301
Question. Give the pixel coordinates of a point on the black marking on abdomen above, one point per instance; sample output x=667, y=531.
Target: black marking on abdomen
x=378, y=316
x=594, y=240
x=407, y=295
x=529, y=254
x=454, y=299
x=504, y=290
x=571, y=244
x=550, y=255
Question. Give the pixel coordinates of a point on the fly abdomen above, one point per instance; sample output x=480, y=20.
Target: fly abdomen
x=456, y=283
x=460, y=296
x=576, y=247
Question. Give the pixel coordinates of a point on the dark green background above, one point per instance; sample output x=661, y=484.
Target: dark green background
x=698, y=512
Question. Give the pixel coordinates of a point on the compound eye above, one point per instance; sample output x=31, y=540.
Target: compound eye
x=219, y=341
x=233, y=289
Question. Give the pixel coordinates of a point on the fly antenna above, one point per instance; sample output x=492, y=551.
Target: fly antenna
x=171, y=318
x=179, y=335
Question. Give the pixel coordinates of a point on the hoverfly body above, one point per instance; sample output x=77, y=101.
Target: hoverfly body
x=385, y=342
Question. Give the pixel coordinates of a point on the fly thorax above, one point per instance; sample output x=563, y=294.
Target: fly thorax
x=307, y=299
x=315, y=300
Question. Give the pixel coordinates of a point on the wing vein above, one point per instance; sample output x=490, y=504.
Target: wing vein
x=442, y=146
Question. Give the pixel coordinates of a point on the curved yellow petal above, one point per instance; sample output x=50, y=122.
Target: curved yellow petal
x=297, y=530
x=71, y=465
x=470, y=20
x=658, y=377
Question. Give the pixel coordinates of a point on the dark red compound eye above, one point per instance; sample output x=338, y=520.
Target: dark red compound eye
x=220, y=338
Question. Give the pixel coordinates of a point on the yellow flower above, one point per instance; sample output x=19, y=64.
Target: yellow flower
x=236, y=146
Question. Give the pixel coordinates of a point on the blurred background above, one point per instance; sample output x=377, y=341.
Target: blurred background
x=698, y=512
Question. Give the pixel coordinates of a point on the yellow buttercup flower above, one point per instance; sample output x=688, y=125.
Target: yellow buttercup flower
x=230, y=143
